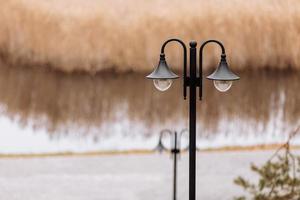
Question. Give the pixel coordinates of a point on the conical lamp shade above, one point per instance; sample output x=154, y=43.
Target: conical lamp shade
x=223, y=73
x=162, y=71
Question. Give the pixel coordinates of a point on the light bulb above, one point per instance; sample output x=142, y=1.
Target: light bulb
x=162, y=84
x=222, y=86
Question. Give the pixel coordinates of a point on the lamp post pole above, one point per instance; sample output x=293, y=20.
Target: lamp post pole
x=192, y=104
x=175, y=150
x=222, y=77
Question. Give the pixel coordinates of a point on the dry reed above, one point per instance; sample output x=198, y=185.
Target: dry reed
x=96, y=35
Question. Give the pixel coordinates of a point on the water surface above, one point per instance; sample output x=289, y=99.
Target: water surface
x=47, y=111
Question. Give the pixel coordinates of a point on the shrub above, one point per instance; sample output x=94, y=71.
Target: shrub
x=279, y=177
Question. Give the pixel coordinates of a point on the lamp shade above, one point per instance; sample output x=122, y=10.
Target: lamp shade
x=162, y=71
x=223, y=73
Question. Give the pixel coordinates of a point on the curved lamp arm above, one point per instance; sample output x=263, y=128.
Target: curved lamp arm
x=165, y=131
x=201, y=60
x=184, y=60
x=177, y=139
x=160, y=145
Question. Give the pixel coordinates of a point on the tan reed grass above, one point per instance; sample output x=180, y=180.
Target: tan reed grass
x=96, y=35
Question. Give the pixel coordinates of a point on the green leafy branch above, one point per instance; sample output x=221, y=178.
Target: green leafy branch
x=279, y=177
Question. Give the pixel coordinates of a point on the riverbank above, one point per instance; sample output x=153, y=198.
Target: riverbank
x=228, y=149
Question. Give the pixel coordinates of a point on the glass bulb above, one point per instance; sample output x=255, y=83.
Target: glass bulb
x=222, y=86
x=162, y=84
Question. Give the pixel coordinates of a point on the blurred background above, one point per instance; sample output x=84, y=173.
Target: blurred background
x=72, y=74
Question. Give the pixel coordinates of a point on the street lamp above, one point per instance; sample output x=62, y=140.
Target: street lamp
x=175, y=149
x=163, y=77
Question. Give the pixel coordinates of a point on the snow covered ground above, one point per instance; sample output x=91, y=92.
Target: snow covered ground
x=123, y=177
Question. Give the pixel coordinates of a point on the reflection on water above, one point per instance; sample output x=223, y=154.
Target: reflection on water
x=260, y=108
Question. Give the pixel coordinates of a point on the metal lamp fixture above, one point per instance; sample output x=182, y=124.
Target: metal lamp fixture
x=163, y=77
x=223, y=76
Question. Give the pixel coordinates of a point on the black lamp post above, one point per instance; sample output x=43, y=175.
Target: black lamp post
x=175, y=149
x=222, y=77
